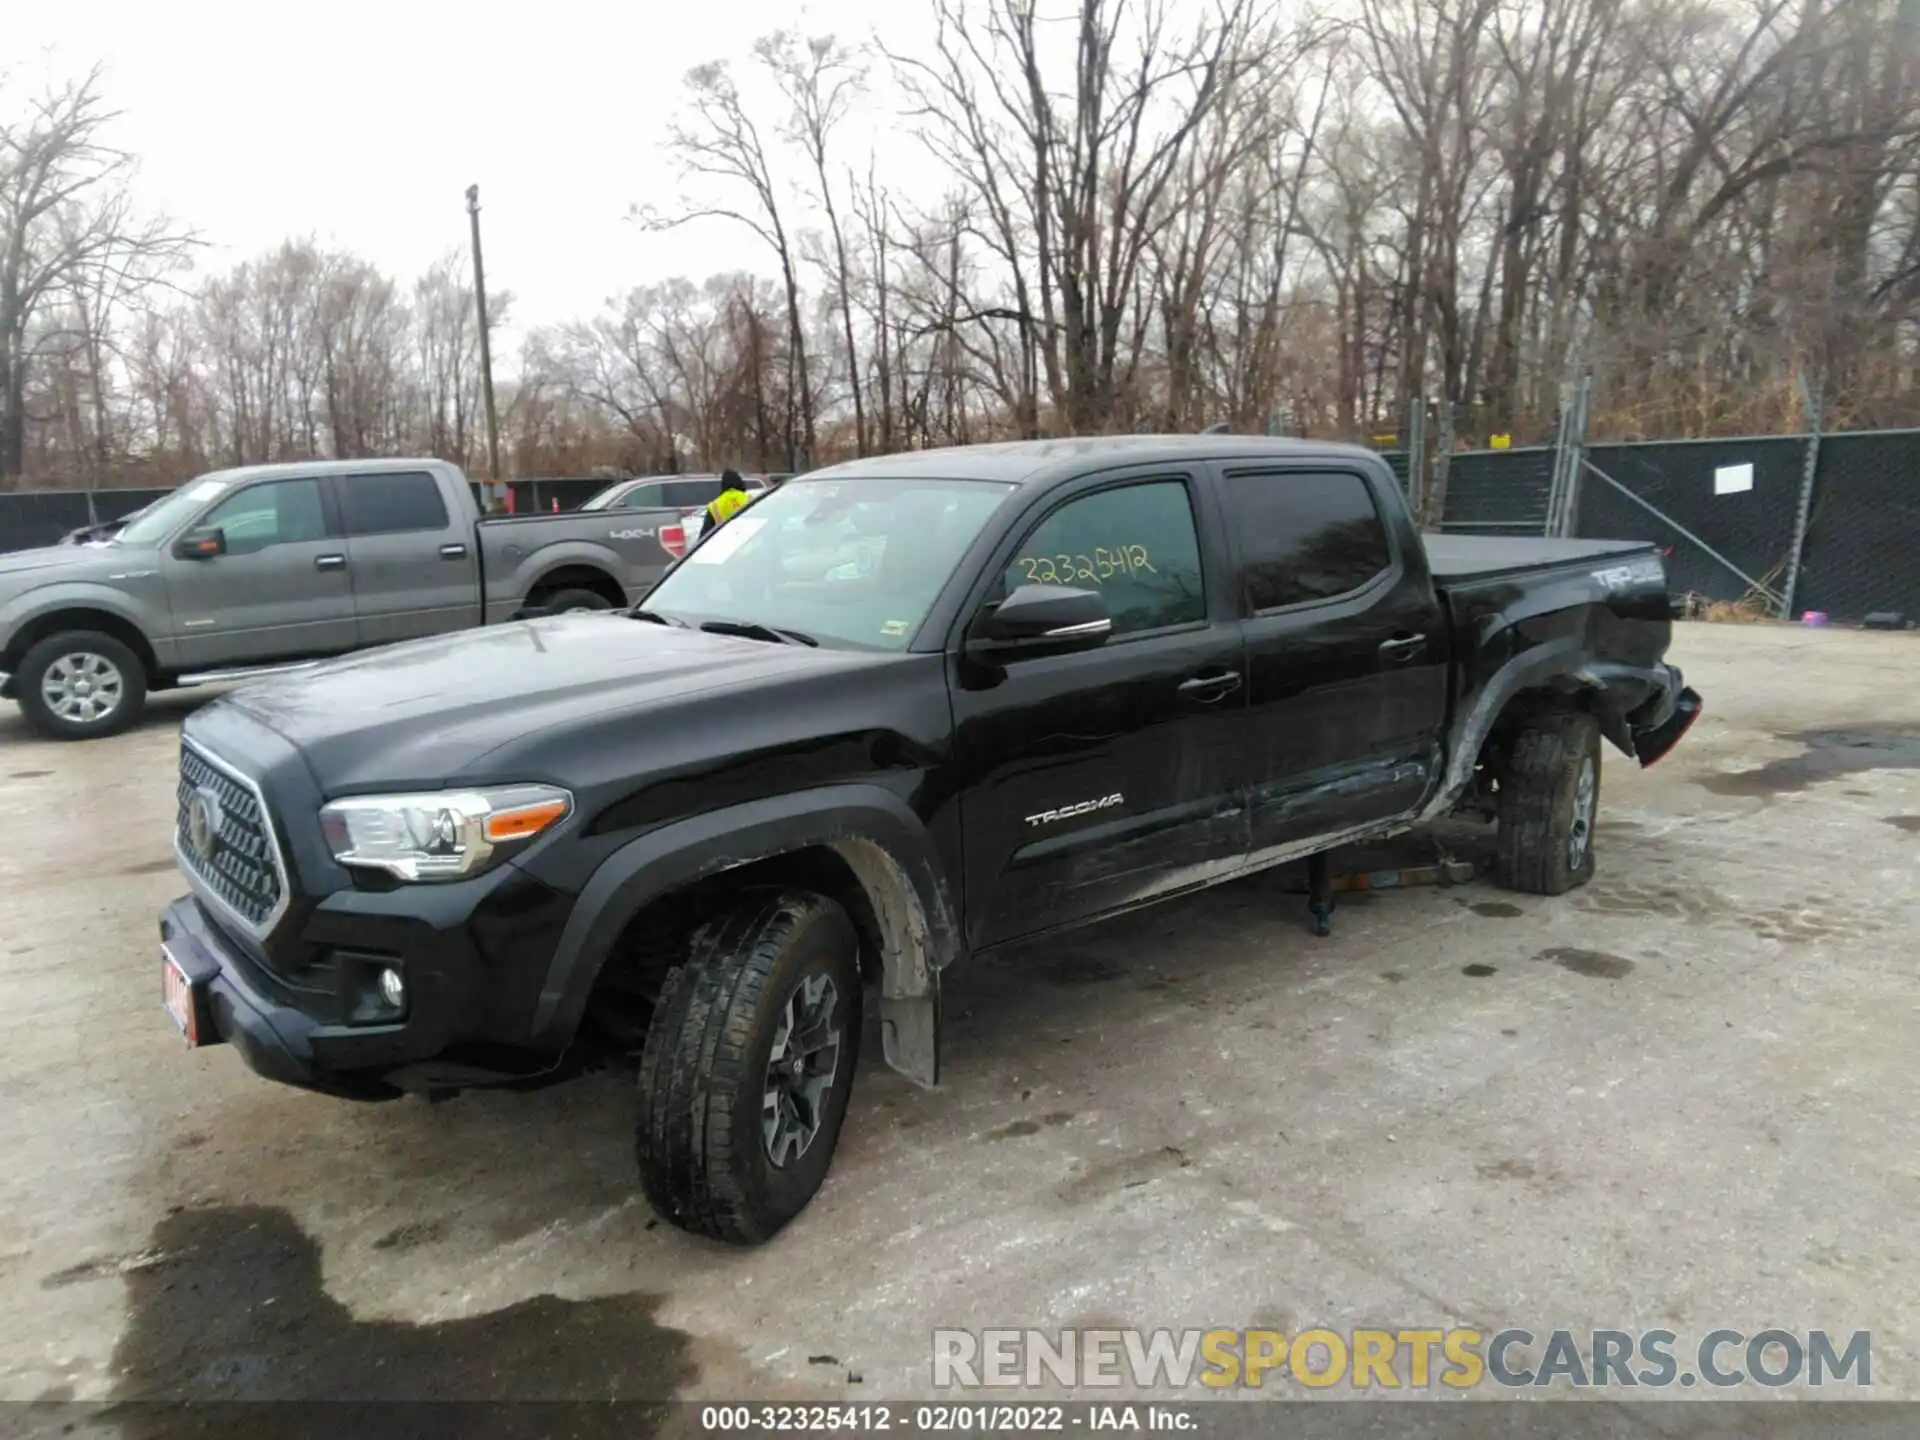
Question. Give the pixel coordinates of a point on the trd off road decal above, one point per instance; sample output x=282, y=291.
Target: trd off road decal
x=1070, y=812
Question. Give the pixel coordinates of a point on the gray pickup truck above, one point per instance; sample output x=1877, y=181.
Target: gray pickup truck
x=248, y=570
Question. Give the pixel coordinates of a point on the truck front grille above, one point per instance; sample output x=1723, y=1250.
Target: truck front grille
x=224, y=837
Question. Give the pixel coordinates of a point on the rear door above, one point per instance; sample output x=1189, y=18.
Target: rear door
x=279, y=592
x=413, y=572
x=1345, y=652
x=1095, y=781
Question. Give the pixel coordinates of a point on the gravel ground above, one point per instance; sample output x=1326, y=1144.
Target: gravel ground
x=1680, y=1098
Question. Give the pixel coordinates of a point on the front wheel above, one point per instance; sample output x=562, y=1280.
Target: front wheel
x=748, y=1063
x=80, y=685
x=1548, y=802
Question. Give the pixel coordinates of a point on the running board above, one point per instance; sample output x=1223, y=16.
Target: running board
x=222, y=677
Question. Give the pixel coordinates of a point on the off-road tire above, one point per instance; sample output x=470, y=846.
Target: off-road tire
x=703, y=1151
x=1539, y=804
x=575, y=599
x=59, y=649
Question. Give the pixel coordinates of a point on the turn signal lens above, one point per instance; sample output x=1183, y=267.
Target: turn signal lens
x=523, y=822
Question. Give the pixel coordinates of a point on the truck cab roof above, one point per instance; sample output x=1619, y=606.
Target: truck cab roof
x=284, y=470
x=1035, y=462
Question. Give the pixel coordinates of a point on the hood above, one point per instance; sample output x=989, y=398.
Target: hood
x=77, y=561
x=423, y=712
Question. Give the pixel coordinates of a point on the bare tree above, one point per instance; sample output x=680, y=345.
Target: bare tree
x=721, y=142
x=821, y=79
x=1075, y=178
x=1150, y=216
x=66, y=224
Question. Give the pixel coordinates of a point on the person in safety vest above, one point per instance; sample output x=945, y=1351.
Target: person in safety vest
x=731, y=500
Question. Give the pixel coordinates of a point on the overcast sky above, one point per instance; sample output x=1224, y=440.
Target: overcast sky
x=364, y=123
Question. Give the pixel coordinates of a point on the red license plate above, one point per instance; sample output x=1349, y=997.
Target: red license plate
x=176, y=994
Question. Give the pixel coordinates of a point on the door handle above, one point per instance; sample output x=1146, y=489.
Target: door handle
x=329, y=562
x=453, y=552
x=1402, y=648
x=1208, y=688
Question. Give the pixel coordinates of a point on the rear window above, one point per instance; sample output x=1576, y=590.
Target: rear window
x=641, y=497
x=1304, y=536
x=391, y=504
x=691, y=492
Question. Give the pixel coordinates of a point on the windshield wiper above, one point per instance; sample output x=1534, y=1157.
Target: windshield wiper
x=754, y=630
x=656, y=618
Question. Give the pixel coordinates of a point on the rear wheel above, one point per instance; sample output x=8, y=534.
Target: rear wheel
x=1548, y=802
x=80, y=685
x=748, y=1064
x=568, y=602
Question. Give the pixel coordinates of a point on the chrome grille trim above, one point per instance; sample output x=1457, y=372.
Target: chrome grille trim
x=254, y=901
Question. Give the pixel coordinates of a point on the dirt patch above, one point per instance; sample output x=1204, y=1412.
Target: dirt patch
x=1908, y=823
x=1479, y=972
x=1129, y=1172
x=28, y=774
x=414, y=1234
x=1810, y=920
x=1080, y=968
x=1019, y=1128
x=1594, y=964
x=245, y=1317
x=107, y=1267
x=150, y=867
x=1827, y=755
x=1496, y=909
x=1505, y=1170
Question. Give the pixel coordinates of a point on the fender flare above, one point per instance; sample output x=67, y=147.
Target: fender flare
x=523, y=574
x=1615, y=692
x=882, y=841
x=37, y=604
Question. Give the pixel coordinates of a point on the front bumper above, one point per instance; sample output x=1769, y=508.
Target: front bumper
x=275, y=1039
x=302, y=1011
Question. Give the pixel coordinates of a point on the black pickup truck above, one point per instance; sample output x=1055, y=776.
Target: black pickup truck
x=901, y=711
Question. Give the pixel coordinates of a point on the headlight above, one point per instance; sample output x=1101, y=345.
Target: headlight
x=440, y=836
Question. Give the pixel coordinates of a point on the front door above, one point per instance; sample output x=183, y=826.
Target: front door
x=1099, y=780
x=414, y=572
x=279, y=591
x=1345, y=655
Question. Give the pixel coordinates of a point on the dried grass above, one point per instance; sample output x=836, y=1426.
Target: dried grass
x=1749, y=609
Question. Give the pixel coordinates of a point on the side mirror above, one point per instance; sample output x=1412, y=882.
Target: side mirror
x=1041, y=620
x=201, y=544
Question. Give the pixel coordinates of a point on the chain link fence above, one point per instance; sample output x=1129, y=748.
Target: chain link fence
x=1862, y=551
x=42, y=517
x=1738, y=498
x=1727, y=512
x=1498, y=492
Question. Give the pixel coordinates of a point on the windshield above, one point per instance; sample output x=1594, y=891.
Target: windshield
x=165, y=516
x=857, y=562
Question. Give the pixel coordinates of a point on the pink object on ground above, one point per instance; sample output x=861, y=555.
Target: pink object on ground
x=1813, y=617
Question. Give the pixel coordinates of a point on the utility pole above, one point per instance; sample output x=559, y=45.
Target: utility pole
x=486, y=344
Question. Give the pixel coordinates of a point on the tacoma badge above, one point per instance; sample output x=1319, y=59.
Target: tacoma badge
x=1069, y=812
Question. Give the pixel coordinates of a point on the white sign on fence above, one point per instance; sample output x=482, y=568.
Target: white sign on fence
x=1732, y=479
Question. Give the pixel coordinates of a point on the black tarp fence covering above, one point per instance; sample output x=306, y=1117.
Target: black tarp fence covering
x=1860, y=550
